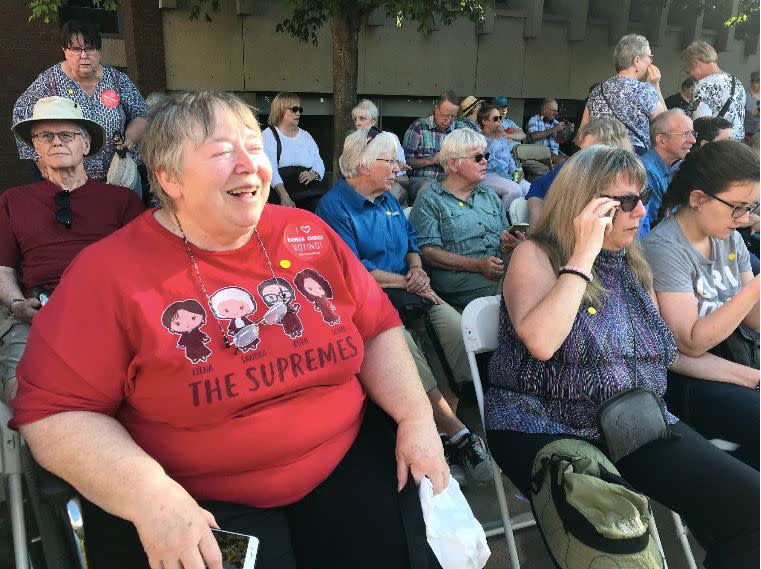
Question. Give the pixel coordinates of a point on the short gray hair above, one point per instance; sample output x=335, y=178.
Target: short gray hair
x=698, y=51
x=185, y=117
x=359, y=152
x=607, y=131
x=629, y=47
x=660, y=123
x=368, y=107
x=458, y=144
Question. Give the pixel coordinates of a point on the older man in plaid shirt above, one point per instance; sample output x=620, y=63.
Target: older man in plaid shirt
x=422, y=142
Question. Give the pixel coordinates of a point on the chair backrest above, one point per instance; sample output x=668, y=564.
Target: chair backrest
x=407, y=211
x=532, y=152
x=480, y=324
x=518, y=211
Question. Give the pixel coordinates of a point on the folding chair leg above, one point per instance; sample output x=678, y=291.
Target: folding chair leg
x=16, y=502
x=506, y=521
x=657, y=538
x=681, y=532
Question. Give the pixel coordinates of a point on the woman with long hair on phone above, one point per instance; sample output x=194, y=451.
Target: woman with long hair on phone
x=579, y=324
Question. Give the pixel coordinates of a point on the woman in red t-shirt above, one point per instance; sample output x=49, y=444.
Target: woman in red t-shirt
x=239, y=423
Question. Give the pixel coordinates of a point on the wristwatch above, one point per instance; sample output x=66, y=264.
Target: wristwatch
x=316, y=175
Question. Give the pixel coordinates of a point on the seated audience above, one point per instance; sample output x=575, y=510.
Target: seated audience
x=422, y=142
x=172, y=415
x=752, y=97
x=547, y=130
x=609, y=132
x=461, y=225
x=672, y=137
x=707, y=293
x=365, y=215
x=513, y=131
x=710, y=129
x=681, y=100
x=44, y=225
x=716, y=93
x=365, y=115
x=633, y=94
x=297, y=169
x=468, y=112
x=500, y=165
x=580, y=324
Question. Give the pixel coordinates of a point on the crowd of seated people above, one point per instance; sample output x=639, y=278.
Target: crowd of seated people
x=347, y=324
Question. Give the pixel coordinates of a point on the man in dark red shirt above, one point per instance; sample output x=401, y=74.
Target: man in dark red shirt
x=44, y=225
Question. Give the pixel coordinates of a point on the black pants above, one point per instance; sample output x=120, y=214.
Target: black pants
x=355, y=518
x=716, y=494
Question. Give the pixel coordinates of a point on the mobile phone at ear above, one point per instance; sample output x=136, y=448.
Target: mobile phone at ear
x=238, y=549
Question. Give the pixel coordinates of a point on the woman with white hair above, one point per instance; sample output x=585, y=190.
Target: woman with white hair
x=365, y=115
x=461, y=224
x=716, y=93
x=633, y=95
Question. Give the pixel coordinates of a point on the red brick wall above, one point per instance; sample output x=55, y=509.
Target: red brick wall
x=144, y=42
x=28, y=48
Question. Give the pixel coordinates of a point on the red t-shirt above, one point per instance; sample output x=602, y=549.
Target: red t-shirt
x=39, y=248
x=130, y=334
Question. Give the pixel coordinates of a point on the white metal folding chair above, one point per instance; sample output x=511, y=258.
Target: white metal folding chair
x=480, y=323
x=480, y=332
x=11, y=469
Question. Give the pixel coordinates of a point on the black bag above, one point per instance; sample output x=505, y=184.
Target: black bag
x=630, y=420
x=741, y=347
x=305, y=196
x=409, y=306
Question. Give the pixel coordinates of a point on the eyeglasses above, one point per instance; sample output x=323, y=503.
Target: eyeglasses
x=737, y=210
x=496, y=119
x=63, y=136
x=390, y=161
x=478, y=157
x=686, y=134
x=63, y=214
x=296, y=109
x=628, y=203
x=89, y=50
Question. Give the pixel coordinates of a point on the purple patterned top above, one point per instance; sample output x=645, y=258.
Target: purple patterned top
x=622, y=343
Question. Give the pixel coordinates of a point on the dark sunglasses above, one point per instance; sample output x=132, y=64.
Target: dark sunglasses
x=296, y=109
x=628, y=203
x=478, y=157
x=63, y=213
x=496, y=119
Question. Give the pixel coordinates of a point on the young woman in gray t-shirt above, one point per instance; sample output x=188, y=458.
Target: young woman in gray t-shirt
x=706, y=290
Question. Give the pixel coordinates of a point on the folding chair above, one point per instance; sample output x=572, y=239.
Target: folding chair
x=11, y=469
x=533, y=152
x=480, y=332
x=480, y=324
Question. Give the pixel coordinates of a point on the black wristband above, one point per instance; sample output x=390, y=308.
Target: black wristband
x=566, y=271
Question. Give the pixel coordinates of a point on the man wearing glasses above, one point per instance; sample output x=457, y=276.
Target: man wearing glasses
x=423, y=139
x=671, y=136
x=44, y=225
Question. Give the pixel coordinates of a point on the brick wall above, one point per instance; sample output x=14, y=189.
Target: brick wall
x=28, y=49
x=144, y=42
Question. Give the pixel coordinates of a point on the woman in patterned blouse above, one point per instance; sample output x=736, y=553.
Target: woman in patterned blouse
x=580, y=324
x=105, y=95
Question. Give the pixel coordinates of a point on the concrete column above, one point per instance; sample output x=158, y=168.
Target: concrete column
x=143, y=34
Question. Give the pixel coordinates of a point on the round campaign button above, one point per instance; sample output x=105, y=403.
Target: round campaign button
x=109, y=98
x=305, y=241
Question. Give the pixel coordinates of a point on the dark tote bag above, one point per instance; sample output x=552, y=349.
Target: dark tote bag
x=741, y=347
x=305, y=196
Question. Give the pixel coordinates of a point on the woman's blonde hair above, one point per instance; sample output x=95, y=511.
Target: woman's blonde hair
x=178, y=118
x=607, y=131
x=280, y=103
x=587, y=175
x=698, y=51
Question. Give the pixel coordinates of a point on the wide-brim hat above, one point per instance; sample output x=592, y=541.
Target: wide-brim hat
x=589, y=516
x=468, y=104
x=60, y=109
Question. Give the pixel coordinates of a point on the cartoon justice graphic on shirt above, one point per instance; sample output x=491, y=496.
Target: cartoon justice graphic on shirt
x=185, y=319
x=276, y=291
x=235, y=304
x=317, y=290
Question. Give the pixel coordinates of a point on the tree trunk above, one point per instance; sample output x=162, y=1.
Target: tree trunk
x=344, y=27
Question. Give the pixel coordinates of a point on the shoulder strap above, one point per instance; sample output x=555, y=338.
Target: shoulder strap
x=279, y=144
x=725, y=108
x=615, y=115
x=116, y=80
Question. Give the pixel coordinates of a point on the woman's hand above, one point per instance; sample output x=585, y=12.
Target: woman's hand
x=307, y=177
x=417, y=280
x=175, y=530
x=419, y=450
x=653, y=75
x=590, y=228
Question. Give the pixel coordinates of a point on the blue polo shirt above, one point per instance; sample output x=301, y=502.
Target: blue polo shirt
x=378, y=232
x=659, y=176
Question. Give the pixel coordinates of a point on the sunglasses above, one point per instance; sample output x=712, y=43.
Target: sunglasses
x=478, y=157
x=296, y=109
x=628, y=203
x=496, y=119
x=63, y=213
x=737, y=210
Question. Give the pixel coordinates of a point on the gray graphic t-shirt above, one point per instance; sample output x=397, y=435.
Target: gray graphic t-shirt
x=679, y=267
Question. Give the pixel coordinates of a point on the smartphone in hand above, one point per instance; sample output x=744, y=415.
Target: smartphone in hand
x=238, y=550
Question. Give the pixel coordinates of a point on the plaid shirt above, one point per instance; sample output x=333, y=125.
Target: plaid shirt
x=537, y=124
x=423, y=139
